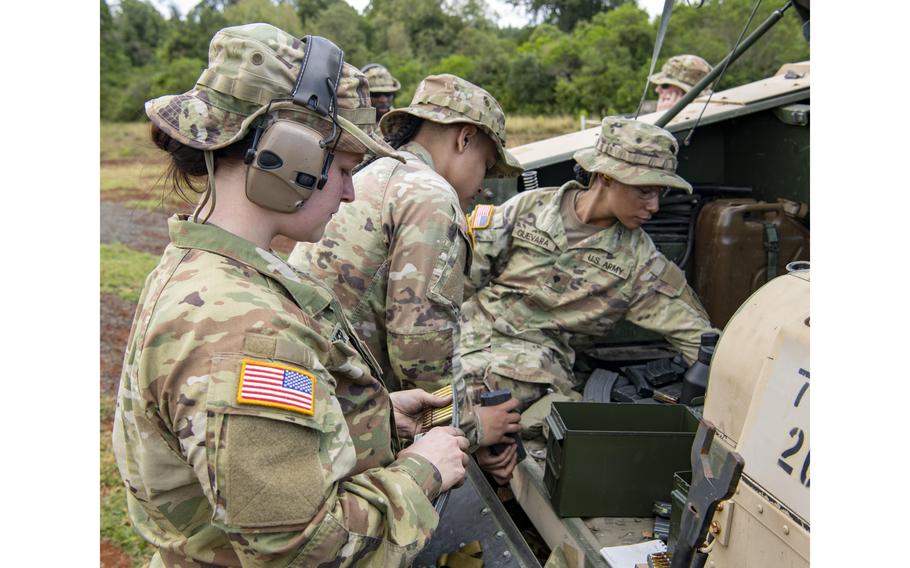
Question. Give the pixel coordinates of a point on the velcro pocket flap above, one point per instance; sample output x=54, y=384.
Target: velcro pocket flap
x=671, y=280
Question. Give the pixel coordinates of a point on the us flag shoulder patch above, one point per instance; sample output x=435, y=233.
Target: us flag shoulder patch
x=276, y=385
x=481, y=217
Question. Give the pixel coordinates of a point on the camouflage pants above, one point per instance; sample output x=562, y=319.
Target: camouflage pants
x=534, y=398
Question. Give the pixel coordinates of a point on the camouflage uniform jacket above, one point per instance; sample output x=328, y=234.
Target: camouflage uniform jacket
x=397, y=258
x=537, y=299
x=215, y=481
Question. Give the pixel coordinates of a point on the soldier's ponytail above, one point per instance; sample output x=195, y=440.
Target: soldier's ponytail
x=407, y=128
x=582, y=176
x=187, y=172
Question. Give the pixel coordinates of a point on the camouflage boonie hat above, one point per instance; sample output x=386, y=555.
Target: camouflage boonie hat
x=249, y=66
x=684, y=71
x=380, y=79
x=634, y=153
x=448, y=99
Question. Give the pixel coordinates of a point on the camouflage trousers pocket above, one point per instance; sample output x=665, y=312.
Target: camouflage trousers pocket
x=525, y=361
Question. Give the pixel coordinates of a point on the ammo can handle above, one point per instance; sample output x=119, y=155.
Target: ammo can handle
x=556, y=426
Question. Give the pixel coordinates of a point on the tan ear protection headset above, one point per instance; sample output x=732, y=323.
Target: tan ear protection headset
x=288, y=160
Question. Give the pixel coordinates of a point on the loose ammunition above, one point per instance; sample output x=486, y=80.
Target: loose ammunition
x=438, y=416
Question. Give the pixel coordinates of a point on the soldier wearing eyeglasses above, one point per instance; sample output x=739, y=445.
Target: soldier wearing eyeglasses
x=556, y=268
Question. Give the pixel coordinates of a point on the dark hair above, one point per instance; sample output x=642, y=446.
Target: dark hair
x=187, y=170
x=407, y=128
x=582, y=175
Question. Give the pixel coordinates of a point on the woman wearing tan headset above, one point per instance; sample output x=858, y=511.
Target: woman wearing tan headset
x=251, y=425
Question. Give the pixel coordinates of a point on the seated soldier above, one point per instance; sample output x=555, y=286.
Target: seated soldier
x=676, y=78
x=554, y=267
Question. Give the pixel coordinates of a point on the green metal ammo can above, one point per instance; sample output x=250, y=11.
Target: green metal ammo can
x=615, y=459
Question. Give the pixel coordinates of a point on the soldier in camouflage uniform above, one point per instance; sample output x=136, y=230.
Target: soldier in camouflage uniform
x=677, y=77
x=397, y=257
x=556, y=268
x=383, y=87
x=252, y=427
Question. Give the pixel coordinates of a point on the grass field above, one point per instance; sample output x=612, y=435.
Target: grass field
x=524, y=129
x=131, y=175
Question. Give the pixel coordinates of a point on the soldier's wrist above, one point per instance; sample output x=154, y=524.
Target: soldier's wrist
x=422, y=472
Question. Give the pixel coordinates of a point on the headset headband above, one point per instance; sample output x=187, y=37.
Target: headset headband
x=319, y=75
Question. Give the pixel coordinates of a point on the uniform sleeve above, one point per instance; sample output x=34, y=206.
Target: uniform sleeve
x=492, y=239
x=281, y=485
x=428, y=253
x=664, y=303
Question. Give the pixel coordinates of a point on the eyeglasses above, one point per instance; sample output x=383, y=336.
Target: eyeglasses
x=646, y=194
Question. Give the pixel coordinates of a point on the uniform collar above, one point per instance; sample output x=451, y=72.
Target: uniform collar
x=420, y=152
x=185, y=233
x=608, y=239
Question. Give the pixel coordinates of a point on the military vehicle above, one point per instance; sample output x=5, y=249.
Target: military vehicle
x=742, y=450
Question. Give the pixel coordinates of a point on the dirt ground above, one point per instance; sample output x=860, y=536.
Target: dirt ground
x=140, y=229
x=113, y=557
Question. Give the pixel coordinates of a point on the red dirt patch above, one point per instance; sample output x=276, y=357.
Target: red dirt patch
x=113, y=557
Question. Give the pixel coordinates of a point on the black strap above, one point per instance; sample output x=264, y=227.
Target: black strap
x=772, y=246
x=319, y=75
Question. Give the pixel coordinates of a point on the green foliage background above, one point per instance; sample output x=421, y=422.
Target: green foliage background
x=586, y=56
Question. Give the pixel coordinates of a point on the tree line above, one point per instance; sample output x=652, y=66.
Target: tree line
x=584, y=56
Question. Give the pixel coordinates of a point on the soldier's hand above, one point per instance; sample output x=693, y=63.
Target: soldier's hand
x=501, y=466
x=445, y=448
x=409, y=406
x=497, y=421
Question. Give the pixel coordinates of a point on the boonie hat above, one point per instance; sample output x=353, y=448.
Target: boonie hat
x=634, y=153
x=380, y=79
x=249, y=66
x=448, y=99
x=684, y=71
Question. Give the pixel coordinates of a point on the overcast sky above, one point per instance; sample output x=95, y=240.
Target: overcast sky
x=505, y=14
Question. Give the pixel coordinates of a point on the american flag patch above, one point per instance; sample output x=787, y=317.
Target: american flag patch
x=280, y=386
x=481, y=217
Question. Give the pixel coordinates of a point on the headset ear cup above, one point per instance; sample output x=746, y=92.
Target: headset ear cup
x=288, y=166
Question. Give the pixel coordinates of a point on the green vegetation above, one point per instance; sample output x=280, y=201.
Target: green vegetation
x=587, y=56
x=130, y=176
x=521, y=129
x=127, y=141
x=123, y=270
